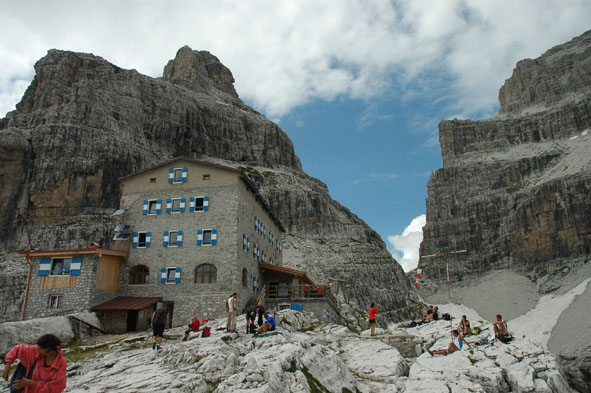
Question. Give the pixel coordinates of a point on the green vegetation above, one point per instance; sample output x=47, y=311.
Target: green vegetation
x=76, y=351
x=473, y=361
x=314, y=385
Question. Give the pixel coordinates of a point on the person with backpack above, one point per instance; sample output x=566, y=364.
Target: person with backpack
x=159, y=321
x=456, y=344
x=373, y=311
x=43, y=366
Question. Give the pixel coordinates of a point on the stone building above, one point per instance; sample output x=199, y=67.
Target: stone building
x=190, y=233
x=197, y=232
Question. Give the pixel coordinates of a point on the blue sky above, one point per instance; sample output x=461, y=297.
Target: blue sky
x=358, y=85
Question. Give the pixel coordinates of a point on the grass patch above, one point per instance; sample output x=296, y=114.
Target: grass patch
x=473, y=361
x=314, y=385
x=76, y=351
x=226, y=339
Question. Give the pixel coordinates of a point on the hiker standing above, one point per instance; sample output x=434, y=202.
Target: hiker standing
x=44, y=363
x=159, y=321
x=233, y=311
x=372, y=318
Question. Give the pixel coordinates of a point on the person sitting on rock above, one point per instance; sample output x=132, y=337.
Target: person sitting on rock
x=500, y=327
x=437, y=314
x=464, y=327
x=428, y=317
x=193, y=327
x=268, y=326
x=456, y=344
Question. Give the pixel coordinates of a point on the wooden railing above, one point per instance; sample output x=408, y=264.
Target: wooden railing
x=296, y=292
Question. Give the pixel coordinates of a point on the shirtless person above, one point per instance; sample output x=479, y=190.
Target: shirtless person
x=500, y=327
x=464, y=327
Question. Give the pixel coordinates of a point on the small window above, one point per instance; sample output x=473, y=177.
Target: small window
x=199, y=204
x=244, y=277
x=153, y=206
x=207, y=236
x=60, y=266
x=205, y=274
x=142, y=239
x=173, y=238
x=176, y=205
x=152, y=180
x=54, y=302
x=170, y=274
x=178, y=175
x=207, y=176
x=139, y=275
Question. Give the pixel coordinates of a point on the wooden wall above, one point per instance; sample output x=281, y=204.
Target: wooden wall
x=108, y=273
x=55, y=282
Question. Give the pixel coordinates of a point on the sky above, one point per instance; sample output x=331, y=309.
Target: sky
x=358, y=85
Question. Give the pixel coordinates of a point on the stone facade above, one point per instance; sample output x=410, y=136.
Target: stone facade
x=234, y=211
x=77, y=293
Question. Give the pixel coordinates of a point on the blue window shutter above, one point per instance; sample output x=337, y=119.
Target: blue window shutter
x=179, y=238
x=177, y=275
x=205, y=203
x=163, y=275
x=185, y=175
x=183, y=202
x=75, y=266
x=256, y=225
x=170, y=175
x=214, y=237
x=254, y=251
x=44, y=267
x=145, y=209
x=148, y=239
x=199, y=237
x=168, y=205
x=192, y=204
x=159, y=206
x=244, y=242
x=165, y=242
x=247, y=244
x=135, y=239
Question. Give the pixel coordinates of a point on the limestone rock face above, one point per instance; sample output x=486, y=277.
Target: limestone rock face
x=515, y=190
x=83, y=123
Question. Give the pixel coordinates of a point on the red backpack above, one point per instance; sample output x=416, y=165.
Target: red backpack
x=206, y=331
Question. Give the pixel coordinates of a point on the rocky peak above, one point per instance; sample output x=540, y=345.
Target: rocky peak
x=559, y=76
x=200, y=71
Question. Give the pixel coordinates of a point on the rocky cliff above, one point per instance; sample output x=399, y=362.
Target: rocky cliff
x=84, y=122
x=515, y=190
x=515, y=193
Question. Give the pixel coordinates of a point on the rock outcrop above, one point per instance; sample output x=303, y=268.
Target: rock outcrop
x=84, y=122
x=515, y=190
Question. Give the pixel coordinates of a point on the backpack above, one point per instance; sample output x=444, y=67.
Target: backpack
x=447, y=317
x=505, y=339
x=160, y=317
x=252, y=328
x=206, y=332
x=476, y=330
x=412, y=324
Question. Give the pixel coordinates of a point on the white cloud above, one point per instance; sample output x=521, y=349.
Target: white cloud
x=406, y=245
x=285, y=54
x=373, y=176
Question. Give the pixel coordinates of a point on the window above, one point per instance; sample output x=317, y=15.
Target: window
x=54, y=302
x=60, y=266
x=173, y=237
x=205, y=274
x=244, y=277
x=153, y=206
x=178, y=175
x=199, y=204
x=170, y=274
x=152, y=180
x=176, y=205
x=207, y=176
x=139, y=275
x=207, y=237
x=142, y=240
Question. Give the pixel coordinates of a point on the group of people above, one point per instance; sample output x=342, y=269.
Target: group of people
x=264, y=320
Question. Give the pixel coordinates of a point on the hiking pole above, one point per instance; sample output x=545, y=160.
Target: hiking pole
x=447, y=271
